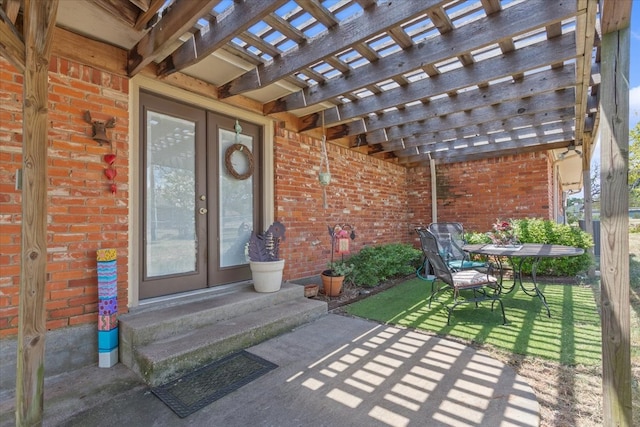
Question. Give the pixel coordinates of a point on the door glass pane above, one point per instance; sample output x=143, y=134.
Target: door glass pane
x=235, y=199
x=170, y=238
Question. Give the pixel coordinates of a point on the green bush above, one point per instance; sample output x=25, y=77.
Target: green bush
x=533, y=230
x=375, y=264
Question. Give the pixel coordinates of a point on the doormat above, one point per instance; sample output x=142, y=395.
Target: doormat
x=209, y=383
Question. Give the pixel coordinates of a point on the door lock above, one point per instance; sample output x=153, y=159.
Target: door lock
x=203, y=197
x=203, y=211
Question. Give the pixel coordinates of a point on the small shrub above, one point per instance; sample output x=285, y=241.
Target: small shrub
x=375, y=264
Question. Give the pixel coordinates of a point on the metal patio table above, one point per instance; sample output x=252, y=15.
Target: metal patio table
x=516, y=254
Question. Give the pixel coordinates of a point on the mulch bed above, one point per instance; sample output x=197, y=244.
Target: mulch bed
x=352, y=293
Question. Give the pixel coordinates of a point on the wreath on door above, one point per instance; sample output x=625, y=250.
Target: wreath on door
x=237, y=147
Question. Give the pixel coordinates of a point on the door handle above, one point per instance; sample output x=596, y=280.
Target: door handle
x=203, y=211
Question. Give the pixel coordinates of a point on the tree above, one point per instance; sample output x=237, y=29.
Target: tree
x=634, y=166
x=595, y=183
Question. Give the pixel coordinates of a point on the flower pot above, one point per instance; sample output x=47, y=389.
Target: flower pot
x=267, y=276
x=324, y=178
x=332, y=285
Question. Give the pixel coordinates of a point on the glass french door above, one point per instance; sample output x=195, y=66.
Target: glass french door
x=197, y=214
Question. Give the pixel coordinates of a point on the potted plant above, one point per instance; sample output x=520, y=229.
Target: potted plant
x=333, y=277
x=264, y=259
x=503, y=234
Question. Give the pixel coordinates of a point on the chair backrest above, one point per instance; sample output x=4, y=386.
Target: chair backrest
x=450, y=237
x=431, y=251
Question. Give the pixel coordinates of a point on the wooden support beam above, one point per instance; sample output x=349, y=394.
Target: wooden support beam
x=535, y=104
x=473, y=155
x=485, y=31
x=376, y=19
x=143, y=19
x=11, y=9
x=11, y=43
x=406, y=146
x=39, y=20
x=527, y=58
x=616, y=15
x=447, y=152
x=204, y=43
x=492, y=126
x=181, y=16
x=614, y=229
x=585, y=36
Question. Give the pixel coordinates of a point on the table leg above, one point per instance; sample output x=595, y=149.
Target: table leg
x=503, y=288
x=534, y=291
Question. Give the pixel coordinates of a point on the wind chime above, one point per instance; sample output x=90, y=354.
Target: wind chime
x=324, y=176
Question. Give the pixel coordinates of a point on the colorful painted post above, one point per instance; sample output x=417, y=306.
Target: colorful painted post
x=107, y=308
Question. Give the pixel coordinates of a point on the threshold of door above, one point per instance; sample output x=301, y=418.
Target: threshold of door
x=181, y=298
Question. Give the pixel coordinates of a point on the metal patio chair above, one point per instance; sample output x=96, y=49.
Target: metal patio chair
x=484, y=286
x=450, y=236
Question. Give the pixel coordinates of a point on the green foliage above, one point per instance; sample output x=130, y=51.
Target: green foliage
x=375, y=264
x=340, y=268
x=475, y=238
x=532, y=230
x=572, y=210
x=634, y=166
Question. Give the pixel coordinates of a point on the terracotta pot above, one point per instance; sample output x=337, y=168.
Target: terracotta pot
x=332, y=285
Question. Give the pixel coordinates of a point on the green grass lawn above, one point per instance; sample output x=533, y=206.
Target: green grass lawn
x=571, y=336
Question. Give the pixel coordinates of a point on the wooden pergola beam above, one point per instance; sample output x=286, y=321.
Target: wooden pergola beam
x=182, y=15
x=397, y=129
x=486, y=31
x=614, y=220
x=449, y=153
x=495, y=140
x=205, y=42
x=374, y=20
x=528, y=58
x=39, y=22
x=11, y=42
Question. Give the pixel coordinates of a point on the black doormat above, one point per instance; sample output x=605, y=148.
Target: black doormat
x=209, y=383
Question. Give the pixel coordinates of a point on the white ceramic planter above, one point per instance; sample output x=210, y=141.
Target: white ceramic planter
x=267, y=276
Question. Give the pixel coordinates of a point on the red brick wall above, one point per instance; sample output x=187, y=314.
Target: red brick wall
x=476, y=193
x=419, y=197
x=83, y=215
x=382, y=200
x=367, y=193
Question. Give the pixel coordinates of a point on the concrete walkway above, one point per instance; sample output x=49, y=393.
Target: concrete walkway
x=335, y=371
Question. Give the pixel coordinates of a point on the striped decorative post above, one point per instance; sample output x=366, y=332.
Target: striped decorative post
x=107, y=308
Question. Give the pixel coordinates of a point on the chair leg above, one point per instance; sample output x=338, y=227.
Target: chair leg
x=433, y=292
x=476, y=300
x=504, y=318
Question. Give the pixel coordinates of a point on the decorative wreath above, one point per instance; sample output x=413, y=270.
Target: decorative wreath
x=227, y=161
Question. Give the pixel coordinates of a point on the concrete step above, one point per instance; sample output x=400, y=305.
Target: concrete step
x=172, y=317
x=163, y=343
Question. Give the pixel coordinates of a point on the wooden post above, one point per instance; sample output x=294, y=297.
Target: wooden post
x=434, y=190
x=39, y=22
x=614, y=220
x=588, y=199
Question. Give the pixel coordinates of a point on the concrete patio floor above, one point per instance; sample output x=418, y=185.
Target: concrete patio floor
x=335, y=371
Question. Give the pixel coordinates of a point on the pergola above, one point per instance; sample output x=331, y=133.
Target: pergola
x=411, y=82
